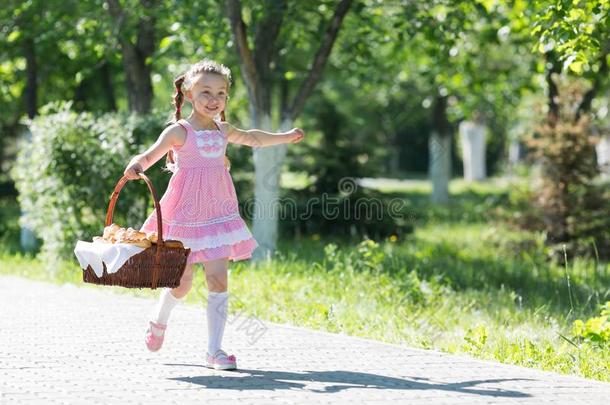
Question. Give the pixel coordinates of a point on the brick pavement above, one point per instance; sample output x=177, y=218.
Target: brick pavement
x=69, y=344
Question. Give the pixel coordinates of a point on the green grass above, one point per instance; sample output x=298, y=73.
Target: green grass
x=462, y=283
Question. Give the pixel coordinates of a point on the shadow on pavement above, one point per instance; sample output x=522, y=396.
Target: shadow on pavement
x=340, y=380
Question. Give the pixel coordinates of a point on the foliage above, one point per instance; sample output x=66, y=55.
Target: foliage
x=9, y=224
x=78, y=158
x=572, y=206
x=595, y=329
x=576, y=30
x=359, y=214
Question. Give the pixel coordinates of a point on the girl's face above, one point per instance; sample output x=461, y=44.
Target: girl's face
x=208, y=94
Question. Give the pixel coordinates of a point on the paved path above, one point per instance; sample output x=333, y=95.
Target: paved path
x=68, y=344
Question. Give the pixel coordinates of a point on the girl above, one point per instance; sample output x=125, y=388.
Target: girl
x=200, y=206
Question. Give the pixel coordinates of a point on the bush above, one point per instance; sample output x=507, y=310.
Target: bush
x=362, y=214
x=67, y=171
x=572, y=207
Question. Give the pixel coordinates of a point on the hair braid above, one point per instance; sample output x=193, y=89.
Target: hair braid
x=178, y=96
x=178, y=101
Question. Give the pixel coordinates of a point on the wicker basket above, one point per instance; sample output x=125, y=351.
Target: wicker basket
x=156, y=266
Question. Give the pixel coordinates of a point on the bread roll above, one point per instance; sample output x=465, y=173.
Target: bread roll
x=173, y=243
x=152, y=236
x=99, y=239
x=140, y=243
x=110, y=230
x=116, y=234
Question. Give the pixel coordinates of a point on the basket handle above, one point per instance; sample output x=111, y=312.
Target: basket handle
x=115, y=196
x=160, y=243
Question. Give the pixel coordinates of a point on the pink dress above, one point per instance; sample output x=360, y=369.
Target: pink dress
x=200, y=206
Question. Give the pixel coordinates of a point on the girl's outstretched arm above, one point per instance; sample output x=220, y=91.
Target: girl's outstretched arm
x=257, y=138
x=174, y=135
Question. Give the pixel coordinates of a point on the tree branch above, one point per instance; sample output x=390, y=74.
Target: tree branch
x=585, y=104
x=118, y=15
x=246, y=59
x=320, y=59
x=553, y=91
x=146, y=30
x=266, y=34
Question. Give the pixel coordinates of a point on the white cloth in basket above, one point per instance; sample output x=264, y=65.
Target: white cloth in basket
x=114, y=255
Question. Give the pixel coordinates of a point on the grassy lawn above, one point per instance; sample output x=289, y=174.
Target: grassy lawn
x=462, y=283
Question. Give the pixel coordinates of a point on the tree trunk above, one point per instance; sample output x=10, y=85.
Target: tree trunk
x=439, y=150
x=439, y=167
x=553, y=68
x=256, y=72
x=603, y=156
x=106, y=79
x=138, y=82
x=137, y=71
x=268, y=162
x=27, y=239
x=80, y=96
x=472, y=137
x=31, y=87
x=514, y=154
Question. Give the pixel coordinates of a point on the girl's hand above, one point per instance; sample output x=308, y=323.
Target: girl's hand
x=296, y=135
x=132, y=170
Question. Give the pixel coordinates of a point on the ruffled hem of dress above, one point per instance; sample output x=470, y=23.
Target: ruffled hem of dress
x=238, y=251
x=212, y=242
x=205, y=236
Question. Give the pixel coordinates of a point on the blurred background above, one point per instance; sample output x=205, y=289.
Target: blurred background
x=465, y=146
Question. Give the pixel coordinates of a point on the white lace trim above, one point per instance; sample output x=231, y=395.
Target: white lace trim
x=210, y=142
x=212, y=221
x=207, y=242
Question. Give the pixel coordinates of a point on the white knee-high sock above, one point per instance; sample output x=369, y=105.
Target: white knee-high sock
x=164, y=307
x=218, y=303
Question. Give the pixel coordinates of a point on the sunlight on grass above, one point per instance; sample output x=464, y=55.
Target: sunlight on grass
x=456, y=186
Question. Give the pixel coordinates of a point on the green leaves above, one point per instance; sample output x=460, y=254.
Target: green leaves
x=166, y=43
x=13, y=36
x=577, y=31
x=595, y=329
x=78, y=159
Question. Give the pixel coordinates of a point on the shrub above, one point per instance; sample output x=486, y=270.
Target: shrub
x=362, y=214
x=573, y=209
x=67, y=171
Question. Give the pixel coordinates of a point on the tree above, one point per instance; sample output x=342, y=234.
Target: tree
x=264, y=68
x=136, y=53
x=459, y=51
x=574, y=37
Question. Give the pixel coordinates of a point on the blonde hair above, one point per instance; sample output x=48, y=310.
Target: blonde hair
x=184, y=82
